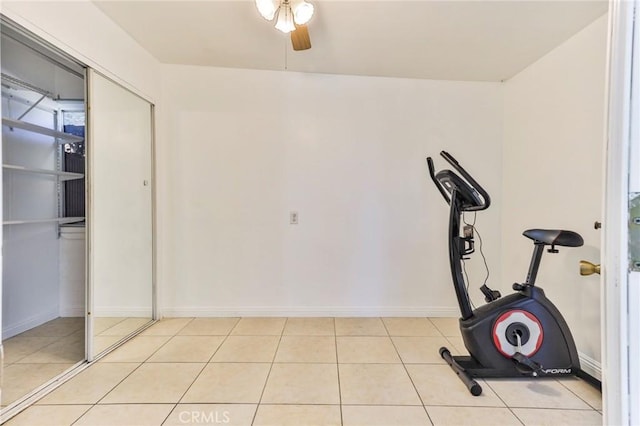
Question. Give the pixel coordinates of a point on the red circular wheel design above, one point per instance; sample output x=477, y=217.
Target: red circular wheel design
x=525, y=318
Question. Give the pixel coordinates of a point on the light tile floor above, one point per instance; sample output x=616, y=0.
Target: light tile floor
x=301, y=371
x=108, y=331
x=36, y=356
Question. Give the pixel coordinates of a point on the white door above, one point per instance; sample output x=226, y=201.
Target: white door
x=634, y=225
x=621, y=283
x=120, y=212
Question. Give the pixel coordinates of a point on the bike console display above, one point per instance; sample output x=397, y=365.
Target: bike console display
x=469, y=195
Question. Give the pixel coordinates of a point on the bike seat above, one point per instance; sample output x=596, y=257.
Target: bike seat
x=555, y=237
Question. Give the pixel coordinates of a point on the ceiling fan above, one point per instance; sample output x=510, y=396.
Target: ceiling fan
x=292, y=17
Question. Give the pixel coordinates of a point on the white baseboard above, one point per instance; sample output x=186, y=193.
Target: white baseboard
x=590, y=366
x=72, y=311
x=10, y=330
x=299, y=311
x=122, y=311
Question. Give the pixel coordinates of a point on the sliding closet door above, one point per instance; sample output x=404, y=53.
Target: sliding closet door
x=120, y=212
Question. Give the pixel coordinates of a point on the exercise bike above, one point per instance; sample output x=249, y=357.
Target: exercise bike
x=520, y=335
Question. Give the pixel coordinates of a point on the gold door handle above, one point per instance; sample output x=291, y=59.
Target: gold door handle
x=588, y=268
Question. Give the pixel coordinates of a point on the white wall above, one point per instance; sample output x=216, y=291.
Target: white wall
x=72, y=271
x=552, y=166
x=243, y=148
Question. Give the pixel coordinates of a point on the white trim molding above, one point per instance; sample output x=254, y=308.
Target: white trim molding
x=123, y=311
x=72, y=311
x=10, y=330
x=303, y=311
x=590, y=366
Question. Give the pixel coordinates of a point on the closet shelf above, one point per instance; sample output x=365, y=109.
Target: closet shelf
x=59, y=220
x=66, y=137
x=62, y=175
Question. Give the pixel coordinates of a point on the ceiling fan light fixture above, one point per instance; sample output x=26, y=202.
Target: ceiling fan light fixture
x=302, y=13
x=285, y=18
x=267, y=8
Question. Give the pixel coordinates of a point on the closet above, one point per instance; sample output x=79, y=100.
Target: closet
x=77, y=216
x=43, y=292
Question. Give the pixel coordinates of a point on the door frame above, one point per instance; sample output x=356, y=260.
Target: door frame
x=620, y=301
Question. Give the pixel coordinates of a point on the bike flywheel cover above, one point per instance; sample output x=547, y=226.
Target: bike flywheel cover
x=523, y=319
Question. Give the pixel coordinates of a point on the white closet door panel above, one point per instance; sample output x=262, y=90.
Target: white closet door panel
x=120, y=158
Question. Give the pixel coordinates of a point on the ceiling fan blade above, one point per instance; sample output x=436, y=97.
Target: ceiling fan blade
x=300, y=38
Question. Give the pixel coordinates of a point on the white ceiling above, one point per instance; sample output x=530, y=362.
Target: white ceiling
x=446, y=40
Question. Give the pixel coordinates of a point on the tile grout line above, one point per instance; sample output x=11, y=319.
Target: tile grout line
x=43, y=347
x=123, y=379
x=169, y=413
x=203, y=368
x=266, y=381
x=82, y=415
x=146, y=361
x=117, y=384
x=435, y=326
x=542, y=408
x=138, y=367
x=579, y=397
x=407, y=371
x=112, y=326
x=335, y=342
x=503, y=401
x=516, y=416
